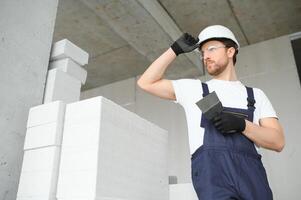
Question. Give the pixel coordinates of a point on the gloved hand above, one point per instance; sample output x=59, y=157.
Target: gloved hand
x=186, y=43
x=228, y=123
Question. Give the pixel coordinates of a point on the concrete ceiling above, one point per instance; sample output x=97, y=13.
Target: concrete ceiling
x=123, y=37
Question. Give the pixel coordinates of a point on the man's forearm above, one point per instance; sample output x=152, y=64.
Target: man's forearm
x=152, y=80
x=157, y=69
x=269, y=138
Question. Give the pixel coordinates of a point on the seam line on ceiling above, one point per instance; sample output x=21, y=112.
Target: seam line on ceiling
x=237, y=21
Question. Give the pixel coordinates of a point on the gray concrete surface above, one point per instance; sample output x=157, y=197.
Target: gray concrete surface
x=25, y=42
x=124, y=36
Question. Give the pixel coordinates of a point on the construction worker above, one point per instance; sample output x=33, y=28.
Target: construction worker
x=225, y=161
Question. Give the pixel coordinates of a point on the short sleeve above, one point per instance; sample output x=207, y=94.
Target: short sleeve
x=187, y=90
x=177, y=88
x=265, y=108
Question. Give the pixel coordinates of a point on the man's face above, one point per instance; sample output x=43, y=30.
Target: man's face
x=215, y=57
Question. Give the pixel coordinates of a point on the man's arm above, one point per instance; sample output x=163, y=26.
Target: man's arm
x=268, y=135
x=151, y=80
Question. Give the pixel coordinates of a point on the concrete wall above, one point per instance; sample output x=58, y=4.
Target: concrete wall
x=267, y=65
x=25, y=42
x=270, y=65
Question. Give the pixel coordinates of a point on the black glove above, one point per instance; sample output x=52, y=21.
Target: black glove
x=229, y=123
x=186, y=43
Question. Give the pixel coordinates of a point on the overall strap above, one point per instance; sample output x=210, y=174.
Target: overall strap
x=205, y=93
x=205, y=89
x=251, y=102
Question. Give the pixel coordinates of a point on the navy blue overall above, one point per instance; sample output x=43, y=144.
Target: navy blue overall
x=228, y=166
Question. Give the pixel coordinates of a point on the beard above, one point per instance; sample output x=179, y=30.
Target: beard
x=214, y=68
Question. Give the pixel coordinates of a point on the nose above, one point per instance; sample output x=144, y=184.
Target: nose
x=205, y=55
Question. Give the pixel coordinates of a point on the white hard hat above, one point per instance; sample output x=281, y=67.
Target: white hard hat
x=216, y=31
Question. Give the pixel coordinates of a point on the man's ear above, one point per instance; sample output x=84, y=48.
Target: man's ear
x=231, y=52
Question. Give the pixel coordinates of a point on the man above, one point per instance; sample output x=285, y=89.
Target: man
x=225, y=162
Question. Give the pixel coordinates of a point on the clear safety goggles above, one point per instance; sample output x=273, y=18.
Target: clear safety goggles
x=209, y=50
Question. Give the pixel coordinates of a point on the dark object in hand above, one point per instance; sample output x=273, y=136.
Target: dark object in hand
x=223, y=121
x=210, y=106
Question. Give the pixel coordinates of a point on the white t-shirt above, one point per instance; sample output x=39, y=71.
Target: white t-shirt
x=230, y=93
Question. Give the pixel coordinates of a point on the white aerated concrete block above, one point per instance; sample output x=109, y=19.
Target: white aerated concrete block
x=71, y=162
x=36, y=198
x=182, y=191
x=83, y=111
x=66, y=49
x=73, y=133
x=77, y=184
x=40, y=167
x=61, y=86
x=101, y=198
x=43, y=159
x=39, y=173
x=46, y=113
x=36, y=184
x=71, y=68
x=110, y=198
x=107, y=151
x=44, y=135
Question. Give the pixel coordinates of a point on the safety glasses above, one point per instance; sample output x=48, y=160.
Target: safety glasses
x=209, y=50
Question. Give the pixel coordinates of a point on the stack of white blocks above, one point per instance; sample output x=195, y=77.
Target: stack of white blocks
x=65, y=74
x=109, y=153
x=96, y=151
x=38, y=180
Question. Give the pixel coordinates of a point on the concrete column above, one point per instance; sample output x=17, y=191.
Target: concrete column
x=25, y=42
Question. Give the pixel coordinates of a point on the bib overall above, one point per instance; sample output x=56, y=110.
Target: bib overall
x=228, y=166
